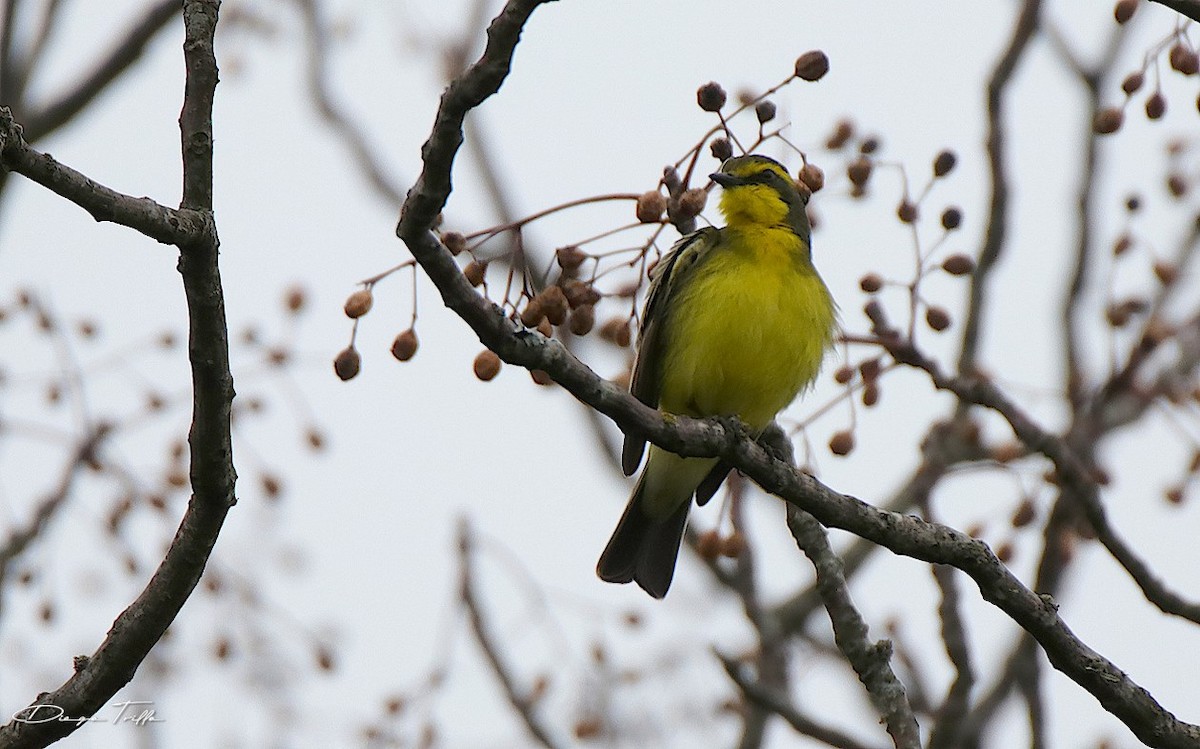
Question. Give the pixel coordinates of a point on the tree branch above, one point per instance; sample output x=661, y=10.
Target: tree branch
x=140, y=626
x=1189, y=8
x=869, y=659
x=163, y=224
x=521, y=702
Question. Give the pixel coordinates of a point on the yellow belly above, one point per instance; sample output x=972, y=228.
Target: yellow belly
x=749, y=331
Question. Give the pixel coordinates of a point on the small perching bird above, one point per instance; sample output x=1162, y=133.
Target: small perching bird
x=736, y=323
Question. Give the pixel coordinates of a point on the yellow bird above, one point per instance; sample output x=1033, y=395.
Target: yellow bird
x=736, y=323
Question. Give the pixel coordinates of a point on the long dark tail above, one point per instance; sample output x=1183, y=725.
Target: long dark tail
x=643, y=549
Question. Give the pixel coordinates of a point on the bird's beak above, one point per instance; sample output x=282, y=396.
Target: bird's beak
x=724, y=180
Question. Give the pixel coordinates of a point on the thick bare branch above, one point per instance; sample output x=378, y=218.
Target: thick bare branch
x=166, y=225
x=140, y=626
x=1189, y=8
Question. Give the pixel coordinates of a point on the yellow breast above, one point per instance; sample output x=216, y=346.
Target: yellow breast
x=749, y=330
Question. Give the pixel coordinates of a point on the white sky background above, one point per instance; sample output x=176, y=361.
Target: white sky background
x=601, y=96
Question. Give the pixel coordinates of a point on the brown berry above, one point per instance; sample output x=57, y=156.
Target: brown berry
x=1184, y=60
x=540, y=377
x=359, y=303
x=1133, y=203
x=869, y=369
x=616, y=331
x=869, y=145
x=583, y=319
x=907, y=211
x=843, y=374
x=347, y=363
x=951, y=218
x=295, y=300
x=691, y=203
x=1166, y=272
x=1177, y=185
x=1133, y=82
x=812, y=177
x=580, y=293
x=1005, y=551
x=650, y=207
x=1174, y=495
x=570, y=258
x=944, y=162
x=1122, y=245
x=711, y=97
x=533, y=313
x=812, y=65
x=764, y=111
x=721, y=148
x=1124, y=10
x=842, y=443
x=871, y=283
x=1108, y=120
x=937, y=318
x=958, y=265
x=1025, y=514
x=455, y=242
x=475, y=272
x=870, y=394
x=486, y=365
x=859, y=171
x=842, y=133
x=405, y=345
x=1156, y=105
x=708, y=545
x=554, y=302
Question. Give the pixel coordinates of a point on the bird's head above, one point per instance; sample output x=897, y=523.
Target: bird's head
x=759, y=192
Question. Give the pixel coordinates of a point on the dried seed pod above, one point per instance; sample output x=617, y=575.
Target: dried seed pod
x=721, y=148
x=907, y=211
x=545, y=328
x=812, y=177
x=405, y=345
x=708, y=545
x=554, y=303
x=843, y=131
x=358, y=304
x=454, y=241
x=1122, y=245
x=842, y=443
x=1156, y=105
x=1183, y=59
x=650, y=207
x=869, y=369
x=347, y=363
x=812, y=65
x=475, y=272
x=583, y=319
x=843, y=374
x=869, y=145
x=580, y=292
x=1025, y=514
x=871, y=283
x=540, y=377
x=1133, y=82
x=958, y=265
x=951, y=218
x=764, y=111
x=937, y=318
x=859, y=171
x=1166, y=272
x=1124, y=10
x=1108, y=120
x=616, y=330
x=711, y=97
x=486, y=365
x=870, y=394
x=1177, y=185
x=570, y=257
x=944, y=162
x=295, y=299
x=691, y=203
x=533, y=313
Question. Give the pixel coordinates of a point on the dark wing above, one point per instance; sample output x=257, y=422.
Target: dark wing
x=665, y=280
